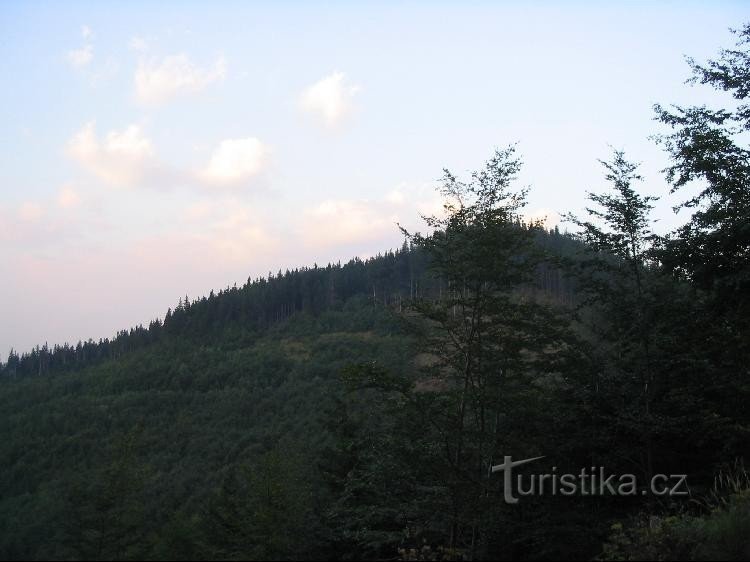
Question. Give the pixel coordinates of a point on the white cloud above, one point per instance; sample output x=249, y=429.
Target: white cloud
x=127, y=157
x=79, y=58
x=68, y=198
x=86, y=32
x=353, y=223
x=395, y=197
x=337, y=222
x=240, y=236
x=121, y=158
x=157, y=81
x=330, y=99
x=229, y=230
x=417, y=200
x=235, y=161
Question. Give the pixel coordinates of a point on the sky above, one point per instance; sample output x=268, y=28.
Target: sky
x=155, y=150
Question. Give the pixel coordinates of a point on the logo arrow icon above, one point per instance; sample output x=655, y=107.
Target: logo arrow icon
x=513, y=464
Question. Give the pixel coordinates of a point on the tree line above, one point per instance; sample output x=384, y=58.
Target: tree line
x=392, y=279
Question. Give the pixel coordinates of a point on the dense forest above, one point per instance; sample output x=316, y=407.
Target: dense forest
x=355, y=411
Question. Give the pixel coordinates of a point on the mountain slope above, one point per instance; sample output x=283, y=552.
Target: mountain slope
x=174, y=417
x=131, y=447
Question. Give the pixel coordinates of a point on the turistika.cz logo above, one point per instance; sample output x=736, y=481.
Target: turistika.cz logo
x=593, y=481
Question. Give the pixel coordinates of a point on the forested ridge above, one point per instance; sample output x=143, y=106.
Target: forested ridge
x=355, y=411
x=392, y=280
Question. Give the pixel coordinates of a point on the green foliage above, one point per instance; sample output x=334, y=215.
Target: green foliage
x=710, y=155
x=120, y=460
x=265, y=510
x=490, y=349
x=723, y=534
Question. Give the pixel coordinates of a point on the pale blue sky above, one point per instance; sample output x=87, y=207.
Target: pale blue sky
x=155, y=150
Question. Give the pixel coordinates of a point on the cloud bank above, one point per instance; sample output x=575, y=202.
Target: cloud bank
x=120, y=158
x=160, y=80
x=330, y=100
x=235, y=161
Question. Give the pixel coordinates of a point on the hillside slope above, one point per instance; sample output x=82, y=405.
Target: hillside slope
x=98, y=462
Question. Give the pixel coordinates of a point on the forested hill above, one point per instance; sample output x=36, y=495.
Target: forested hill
x=353, y=412
x=359, y=411
x=163, y=442
x=391, y=280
